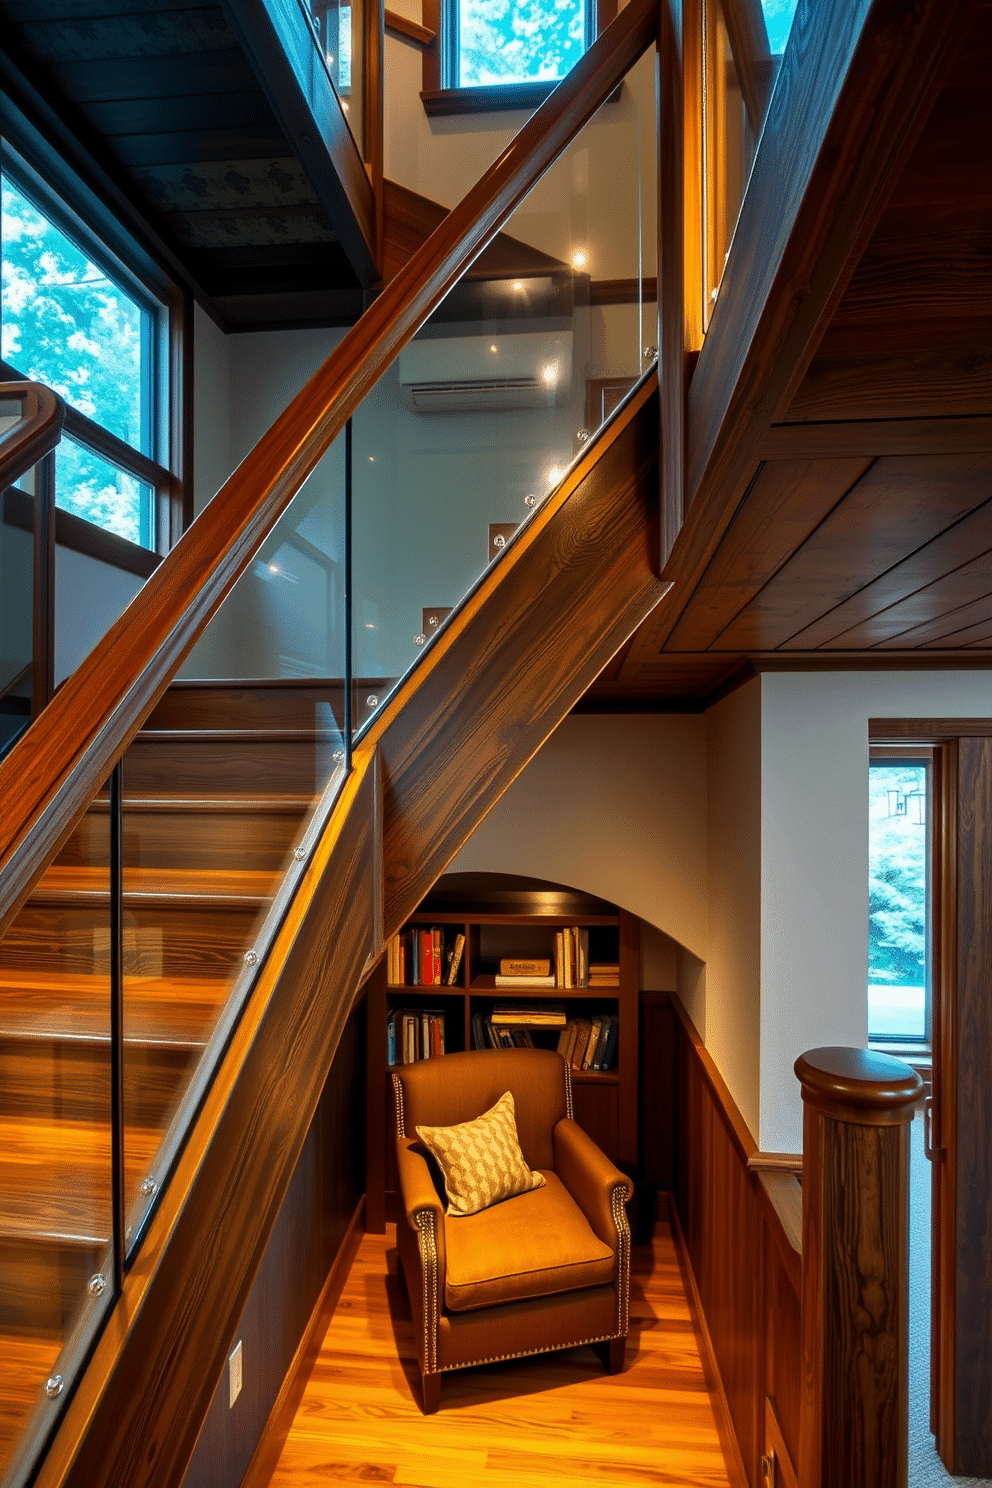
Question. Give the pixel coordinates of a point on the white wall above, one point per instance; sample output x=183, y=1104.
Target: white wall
x=211, y=409
x=814, y=860
x=89, y=597
x=615, y=806
x=731, y=993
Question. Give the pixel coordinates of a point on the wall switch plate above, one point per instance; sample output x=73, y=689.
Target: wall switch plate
x=234, y=1373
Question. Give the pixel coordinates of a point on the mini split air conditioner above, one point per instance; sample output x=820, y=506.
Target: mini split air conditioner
x=487, y=374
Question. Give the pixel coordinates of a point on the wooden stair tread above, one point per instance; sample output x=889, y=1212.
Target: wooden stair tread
x=270, y=805
x=55, y=1177
x=233, y=887
x=168, y=1010
x=26, y=1361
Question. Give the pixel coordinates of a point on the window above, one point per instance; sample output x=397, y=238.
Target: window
x=900, y=795
x=73, y=317
x=504, y=54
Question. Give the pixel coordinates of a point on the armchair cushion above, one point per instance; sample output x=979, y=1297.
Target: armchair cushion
x=534, y=1245
x=481, y=1160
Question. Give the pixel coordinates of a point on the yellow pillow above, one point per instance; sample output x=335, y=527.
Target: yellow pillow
x=481, y=1160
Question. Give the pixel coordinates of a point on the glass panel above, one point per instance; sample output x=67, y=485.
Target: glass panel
x=55, y=1151
x=65, y=323
x=742, y=47
x=524, y=43
x=340, y=31
x=898, y=900
x=104, y=494
x=221, y=789
x=16, y=596
x=464, y=437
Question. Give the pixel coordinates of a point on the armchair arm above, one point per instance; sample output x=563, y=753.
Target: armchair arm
x=591, y=1179
x=420, y=1235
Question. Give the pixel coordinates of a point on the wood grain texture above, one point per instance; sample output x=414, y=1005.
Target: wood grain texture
x=402, y=26
x=555, y=1416
x=138, y=1408
x=972, y=1030
x=854, y=89
x=742, y=1249
x=102, y=706
x=855, y=1403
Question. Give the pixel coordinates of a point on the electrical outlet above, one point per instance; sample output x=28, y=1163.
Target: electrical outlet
x=234, y=1373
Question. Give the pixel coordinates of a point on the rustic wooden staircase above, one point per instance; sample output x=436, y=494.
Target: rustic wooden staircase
x=218, y=787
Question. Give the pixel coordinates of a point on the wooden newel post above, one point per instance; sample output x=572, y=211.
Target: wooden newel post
x=855, y=1305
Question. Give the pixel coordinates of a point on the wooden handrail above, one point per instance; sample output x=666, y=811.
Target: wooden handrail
x=37, y=433
x=50, y=776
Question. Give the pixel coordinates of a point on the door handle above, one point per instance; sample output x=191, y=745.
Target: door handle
x=932, y=1153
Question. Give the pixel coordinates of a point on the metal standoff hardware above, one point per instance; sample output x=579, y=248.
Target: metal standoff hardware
x=583, y=436
x=251, y=958
x=650, y=353
x=499, y=541
x=338, y=756
x=97, y=1285
x=420, y=640
x=53, y=1386
x=299, y=853
x=530, y=500
x=372, y=701
x=148, y=1187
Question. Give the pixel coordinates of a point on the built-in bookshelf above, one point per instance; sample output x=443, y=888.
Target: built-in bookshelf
x=493, y=960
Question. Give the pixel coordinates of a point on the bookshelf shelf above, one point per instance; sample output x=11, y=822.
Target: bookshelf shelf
x=504, y=918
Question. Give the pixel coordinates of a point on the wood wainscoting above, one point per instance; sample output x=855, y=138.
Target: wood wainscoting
x=738, y=1226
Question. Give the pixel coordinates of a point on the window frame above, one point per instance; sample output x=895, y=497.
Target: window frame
x=932, y=756
x=440, y=97
x=75, y=210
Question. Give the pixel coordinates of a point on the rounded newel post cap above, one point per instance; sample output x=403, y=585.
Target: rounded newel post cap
x=859, y=1085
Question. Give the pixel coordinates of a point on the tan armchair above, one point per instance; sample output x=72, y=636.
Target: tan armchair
x=548, y=1269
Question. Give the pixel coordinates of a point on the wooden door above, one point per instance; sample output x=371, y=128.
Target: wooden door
x=961, y=1126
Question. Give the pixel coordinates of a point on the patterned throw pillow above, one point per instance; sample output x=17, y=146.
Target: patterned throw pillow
x=481, y=1160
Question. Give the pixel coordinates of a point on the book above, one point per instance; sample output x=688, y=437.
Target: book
x=610, y=1052
x=582, y=1031
x=456, y=959
x=596, y=1062
x=520, y=967
x=504, y=980
x=532, y=1015
x=592, y=1041
x=391, y=1041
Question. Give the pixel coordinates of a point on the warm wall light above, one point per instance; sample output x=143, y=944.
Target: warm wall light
x=518, y=285
x=550, y=373
x=579, y=259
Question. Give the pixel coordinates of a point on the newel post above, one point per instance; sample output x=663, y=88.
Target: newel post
x=855, y=1305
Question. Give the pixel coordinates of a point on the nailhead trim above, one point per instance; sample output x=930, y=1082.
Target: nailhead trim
x=623, y=1257
x=568, y=1092
x=400, y=1113
x=427, y=1239
x=544, y=1348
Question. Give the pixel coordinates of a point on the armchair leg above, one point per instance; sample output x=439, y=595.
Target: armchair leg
x=615, y=1356
x=431, y=1385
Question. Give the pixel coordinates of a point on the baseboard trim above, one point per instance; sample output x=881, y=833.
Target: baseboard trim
x=724, y=1420
x=276, y=1429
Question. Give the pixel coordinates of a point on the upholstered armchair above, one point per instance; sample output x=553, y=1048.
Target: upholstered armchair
x=546, y=1269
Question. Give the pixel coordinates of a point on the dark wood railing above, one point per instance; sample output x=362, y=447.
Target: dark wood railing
x=31, y=442
x=52, y=774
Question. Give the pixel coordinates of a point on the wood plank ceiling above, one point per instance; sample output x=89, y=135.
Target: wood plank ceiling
x=865, y=535
x=165, y=99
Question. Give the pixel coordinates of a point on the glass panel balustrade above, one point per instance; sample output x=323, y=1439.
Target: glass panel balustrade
x=56, y=1279
x=16, y=592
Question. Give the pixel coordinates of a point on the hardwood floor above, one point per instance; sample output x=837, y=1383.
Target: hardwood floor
x=555, y=1417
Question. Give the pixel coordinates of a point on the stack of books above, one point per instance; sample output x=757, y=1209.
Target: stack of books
x=604, y=974
x=572, y=957
x=590, y=1043
x=511, y=1026
x=520, y=971
x=418, y=1034
x=424, y=958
